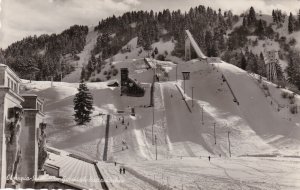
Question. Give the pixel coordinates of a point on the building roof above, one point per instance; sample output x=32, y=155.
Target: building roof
x=73, y=169
x=11, y=72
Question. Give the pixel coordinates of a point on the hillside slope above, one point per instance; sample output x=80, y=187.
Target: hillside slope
x=84, y=56
x=255, y=126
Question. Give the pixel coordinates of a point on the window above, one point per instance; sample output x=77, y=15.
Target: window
x=8, y=81
x=15, y=87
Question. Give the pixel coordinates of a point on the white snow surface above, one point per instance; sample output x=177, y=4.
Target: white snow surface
x=257, y=129
x=255, y=126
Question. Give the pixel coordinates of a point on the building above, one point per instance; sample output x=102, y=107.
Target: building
x=21, y=123
x=11, y=114
x=26, y=161
x=129, y=86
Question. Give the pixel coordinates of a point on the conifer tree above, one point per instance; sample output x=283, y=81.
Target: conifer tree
x=245, y=22
x=291, y=25
x=299, y=18
x=83, y=105
x=260, y=31
x=243, y=62
x=274, y=16
x=208, y=42
x=261, y=65
x=214, y=51
x=83, y=74
x=293, y=68
x=252, y=16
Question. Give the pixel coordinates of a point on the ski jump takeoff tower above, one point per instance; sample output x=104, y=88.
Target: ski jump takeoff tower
x=129, y=86
x=190, y=42
x=271, y=60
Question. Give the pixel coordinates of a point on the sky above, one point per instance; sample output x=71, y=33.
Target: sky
x=22, y=18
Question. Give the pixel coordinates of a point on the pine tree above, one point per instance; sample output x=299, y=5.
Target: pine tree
x=252, y=64
x=299, y=19
x=274, y=16
x=252, y=16
x=291, y=25
x=83, y=105
x=214, y=51
x=245, y=22
x=155, y=51
x=260, y=31
x=243, y=62
x=293, y=68
x=83, y=74
x=261, y=65
x=208, y=42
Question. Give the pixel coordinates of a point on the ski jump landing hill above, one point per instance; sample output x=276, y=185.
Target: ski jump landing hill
x=255, y=127
x=190, y=42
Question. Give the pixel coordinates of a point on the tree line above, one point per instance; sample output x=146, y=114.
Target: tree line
x=44, y=57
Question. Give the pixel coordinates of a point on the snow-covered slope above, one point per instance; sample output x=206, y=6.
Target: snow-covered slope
x=255, y=126
x=84, y=56
x=133, y=60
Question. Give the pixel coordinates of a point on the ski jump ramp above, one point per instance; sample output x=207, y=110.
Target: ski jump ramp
x=190, y=41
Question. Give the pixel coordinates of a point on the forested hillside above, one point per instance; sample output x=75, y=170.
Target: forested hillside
x=207, y=25
x=44, y=57
x=218, y=33
x=238, y=39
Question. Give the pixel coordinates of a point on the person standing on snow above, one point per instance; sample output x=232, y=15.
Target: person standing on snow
x=209, y=158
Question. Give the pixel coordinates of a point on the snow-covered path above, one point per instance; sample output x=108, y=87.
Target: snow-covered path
x=224, y=173
x=117, y=181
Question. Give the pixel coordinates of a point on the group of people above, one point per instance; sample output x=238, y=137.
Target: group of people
x=123, y=123
x=122, y=169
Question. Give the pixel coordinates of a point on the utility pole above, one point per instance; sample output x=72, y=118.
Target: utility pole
x=51, y=81
x=61, y=71
x=184, y=87
x=229, y=144
x=154, y=79
x=202, y=114
x=215, y=133
x=152, y=123
x=176, y=71
x=192, y=96
x=155, y=147
x=106, y=138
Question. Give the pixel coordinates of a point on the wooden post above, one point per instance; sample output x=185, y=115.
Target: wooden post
x=152, y=123
x=202, y=114
x=106, y=138
x=176, y=71
x=192, y=96
x=155, y=147
x=215, y=133
x=229, y=144
x=184, y=86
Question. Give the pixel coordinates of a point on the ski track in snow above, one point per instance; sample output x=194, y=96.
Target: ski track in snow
x=181, y=134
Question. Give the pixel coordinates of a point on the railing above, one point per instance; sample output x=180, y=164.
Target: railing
x=187, y=105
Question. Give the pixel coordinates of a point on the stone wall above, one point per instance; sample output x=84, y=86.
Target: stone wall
x=2, y=75
x=2, y=147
